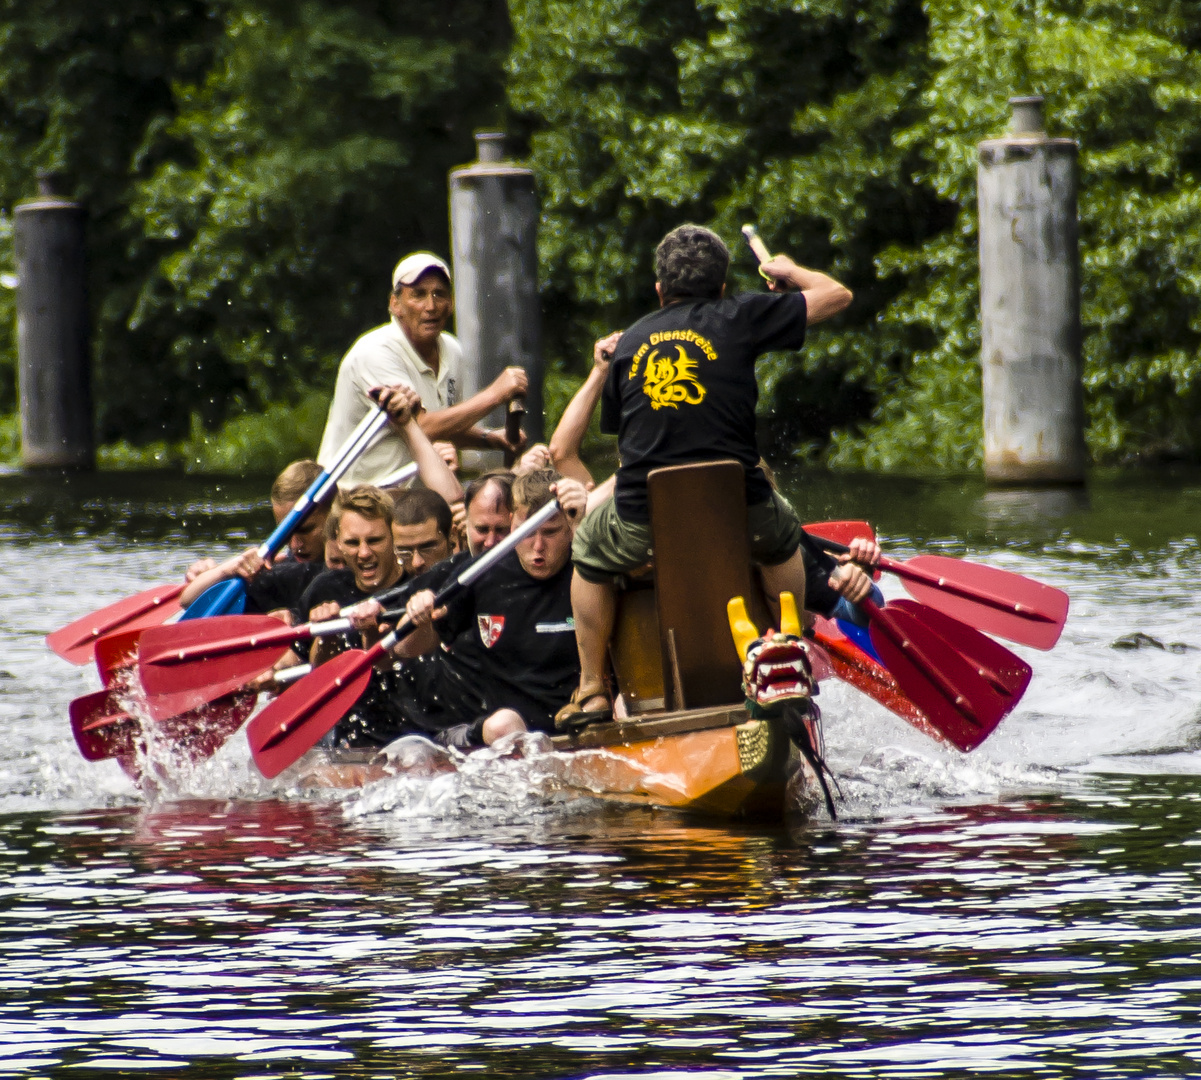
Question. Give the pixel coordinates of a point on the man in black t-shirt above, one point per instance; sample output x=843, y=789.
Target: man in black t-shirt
x=361, y=523
x=681, y=388
x=503, y=653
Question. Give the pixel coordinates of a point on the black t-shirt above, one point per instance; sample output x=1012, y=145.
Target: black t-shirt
x=515, y=636
x=682, y=388
x=335, y=585
x=339, y=586
x=283, y=585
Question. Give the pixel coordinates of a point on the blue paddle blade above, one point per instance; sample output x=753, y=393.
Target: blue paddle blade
x=858, y=634
x=224, y=598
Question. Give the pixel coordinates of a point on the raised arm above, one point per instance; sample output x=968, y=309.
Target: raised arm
x=457, y=424
x=402, y=405
x=565, y=443
x=824, y=297
x=246, y=565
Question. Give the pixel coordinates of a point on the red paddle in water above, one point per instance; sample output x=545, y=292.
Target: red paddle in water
x=952, y=694
x=102, y=729
x=184, y=666
x=293, y=723
x=189, y=663
x=995, y=601
x=1007, y=673
x=76, y=641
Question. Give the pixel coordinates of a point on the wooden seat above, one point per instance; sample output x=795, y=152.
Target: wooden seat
x=672, y=647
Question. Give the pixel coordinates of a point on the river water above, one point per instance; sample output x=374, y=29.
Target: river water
x=1031, y=909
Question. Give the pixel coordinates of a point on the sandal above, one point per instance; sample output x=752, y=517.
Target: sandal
x=573, y=715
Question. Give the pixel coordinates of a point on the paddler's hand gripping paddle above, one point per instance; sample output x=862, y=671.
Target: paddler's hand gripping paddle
x=293, y=723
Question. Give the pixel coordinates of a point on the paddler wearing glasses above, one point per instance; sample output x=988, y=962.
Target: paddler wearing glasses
x=681, y=389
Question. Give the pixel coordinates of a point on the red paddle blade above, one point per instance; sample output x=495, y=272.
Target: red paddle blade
x=995, y=601
x=956, y=700
x=116, y=653
x=1006, y=673
x=188, y=664
x=289, y=727
x=201, y=733
x=843, y=532
x=102, y=729
x=855, y=668
x=74, y=642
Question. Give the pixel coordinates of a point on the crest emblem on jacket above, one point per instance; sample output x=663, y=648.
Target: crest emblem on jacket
x=491, y=627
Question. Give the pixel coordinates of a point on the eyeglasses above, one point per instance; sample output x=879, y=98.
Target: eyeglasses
x=430, y=547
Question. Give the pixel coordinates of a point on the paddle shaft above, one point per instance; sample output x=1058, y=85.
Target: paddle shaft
x=327, y=691
x=362, y=437
x=513, y=419
x=756, y=243
x=903, y=570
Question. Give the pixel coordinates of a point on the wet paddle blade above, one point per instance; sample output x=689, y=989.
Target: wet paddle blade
x=855, y=668
x=189, y=664
x=116, y=653
x=996, y=601
x=102, y=729
x=153, y=607
x=960, y=705
x=1004, y=671
x=199, y=734
x=224, y=598
x=292, y=724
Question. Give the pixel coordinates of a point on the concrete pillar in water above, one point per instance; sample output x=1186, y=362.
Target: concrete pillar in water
x=1030, y=304
x=54, y=366
x=493, y=237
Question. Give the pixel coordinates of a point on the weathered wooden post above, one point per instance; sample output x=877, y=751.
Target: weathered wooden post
x=54, y=369
x=494, y=244
x=1030, y=304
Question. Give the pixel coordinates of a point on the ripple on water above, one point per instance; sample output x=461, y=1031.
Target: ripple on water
x=1030, y=909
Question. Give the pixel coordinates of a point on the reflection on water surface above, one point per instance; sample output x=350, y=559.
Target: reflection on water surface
x=1044, y=934
x=1031, y=909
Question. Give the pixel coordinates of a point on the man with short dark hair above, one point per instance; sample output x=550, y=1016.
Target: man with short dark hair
x=508, y=657
x=413, y=349
x=680, y=389
x=421, y=529
x=488, y=511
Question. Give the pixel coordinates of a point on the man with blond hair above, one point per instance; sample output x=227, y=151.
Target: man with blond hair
x=414, y=350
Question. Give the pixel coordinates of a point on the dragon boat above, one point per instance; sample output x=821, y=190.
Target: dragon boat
x=684, y=736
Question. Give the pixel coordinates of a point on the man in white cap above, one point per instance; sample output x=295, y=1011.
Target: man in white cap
x=413, y=349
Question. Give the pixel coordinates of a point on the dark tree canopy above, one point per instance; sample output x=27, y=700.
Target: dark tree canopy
x=253, y=167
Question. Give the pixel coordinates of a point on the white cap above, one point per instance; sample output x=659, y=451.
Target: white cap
x=411, y=267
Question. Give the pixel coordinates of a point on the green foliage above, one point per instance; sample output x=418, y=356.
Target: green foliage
x=248, y=445
x=847, y=130
x=10, y=440
x=252, y=169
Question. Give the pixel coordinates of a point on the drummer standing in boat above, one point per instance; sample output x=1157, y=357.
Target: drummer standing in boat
x=681, y=388
x=413, y=349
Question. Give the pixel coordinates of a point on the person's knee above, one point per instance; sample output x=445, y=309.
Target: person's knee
x=501, y=723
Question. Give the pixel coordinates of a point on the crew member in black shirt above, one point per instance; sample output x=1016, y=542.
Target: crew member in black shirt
x=361, y=522
x=681, y=388
x=505, y=646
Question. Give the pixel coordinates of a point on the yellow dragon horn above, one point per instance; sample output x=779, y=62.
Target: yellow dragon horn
x=790, y=622
x=741, y=628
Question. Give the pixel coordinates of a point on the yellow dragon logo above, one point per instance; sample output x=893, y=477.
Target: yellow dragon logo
x=669, y=382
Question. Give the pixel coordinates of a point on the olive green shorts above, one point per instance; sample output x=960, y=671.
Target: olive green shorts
x=606, y=545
